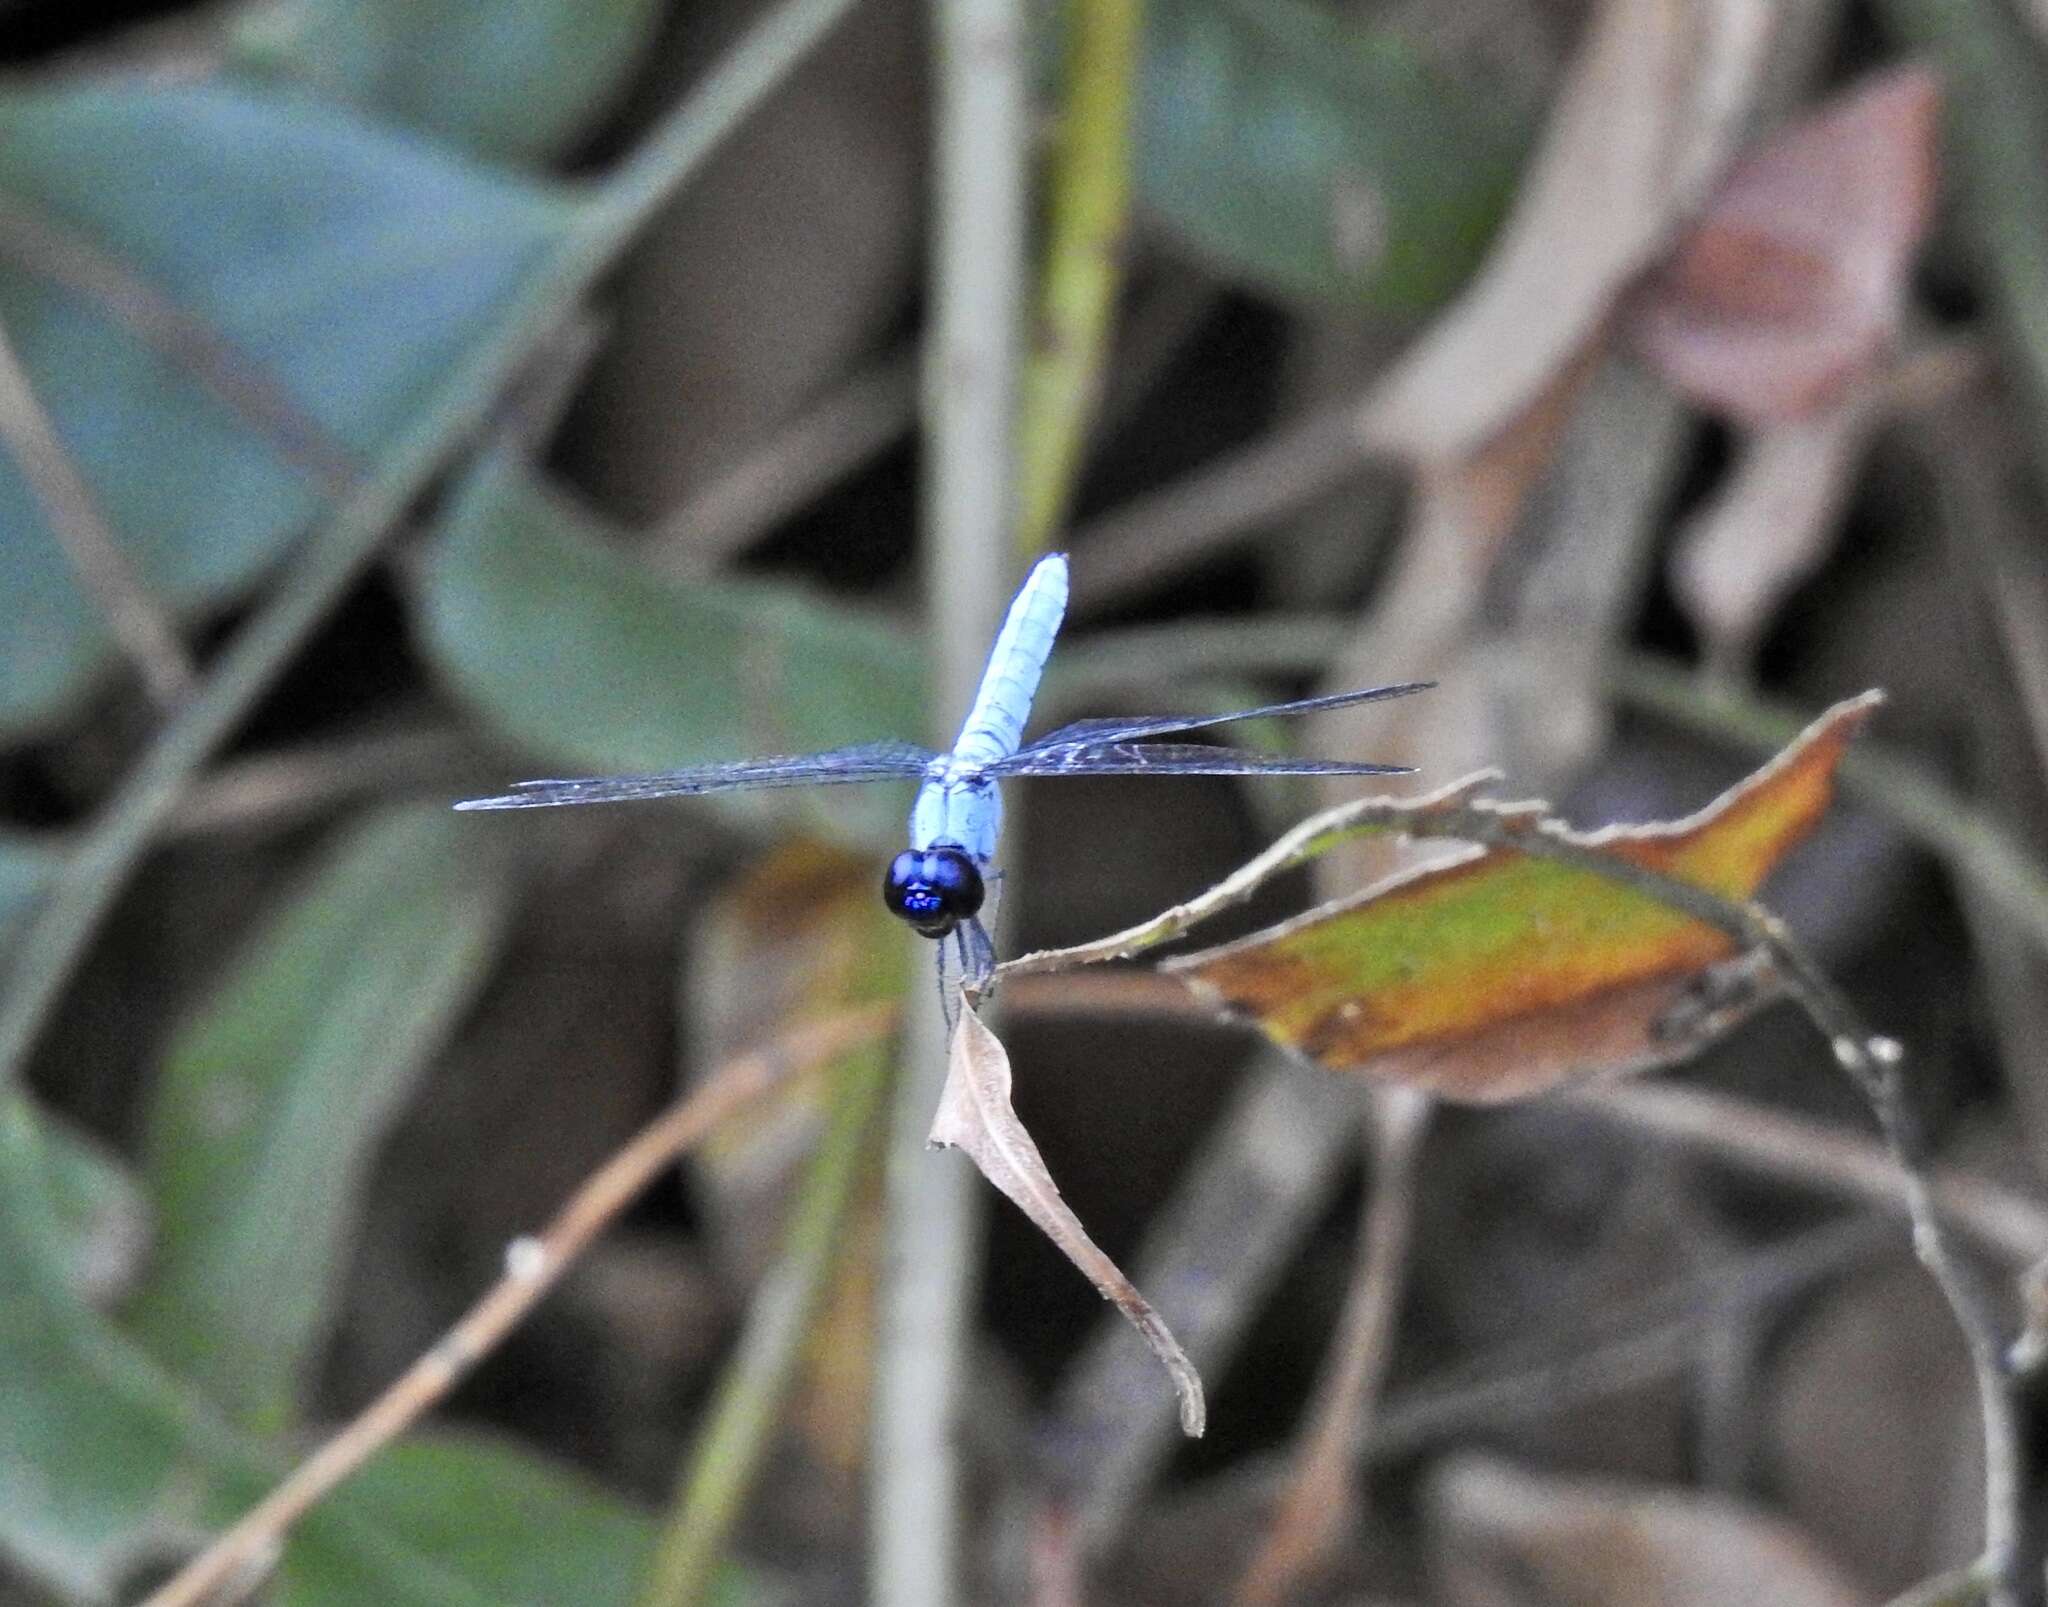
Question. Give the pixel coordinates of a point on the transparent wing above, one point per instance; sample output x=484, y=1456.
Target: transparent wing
x=1177, y=759
x=1100, y=733
x=872, y=761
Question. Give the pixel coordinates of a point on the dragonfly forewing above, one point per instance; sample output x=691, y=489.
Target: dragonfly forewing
x=870, y=761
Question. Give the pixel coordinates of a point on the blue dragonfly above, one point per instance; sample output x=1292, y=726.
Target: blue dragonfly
x=939, y=882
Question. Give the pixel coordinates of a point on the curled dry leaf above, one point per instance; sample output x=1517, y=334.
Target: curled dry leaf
x=1651, y=110
x=1792, y=285
x=974, y=1115
x=1502, y=973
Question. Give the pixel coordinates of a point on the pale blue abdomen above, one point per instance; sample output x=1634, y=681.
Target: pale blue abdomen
x=995, y=725
x=956, y=804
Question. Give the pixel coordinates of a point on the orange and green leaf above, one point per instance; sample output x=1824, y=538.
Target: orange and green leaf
x=1502, y=973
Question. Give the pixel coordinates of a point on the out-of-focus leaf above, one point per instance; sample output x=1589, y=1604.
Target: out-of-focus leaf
x=1793, y=282
x=975, y=1115
x=1499, y=974
x=25, y=866
x=106, y=1462
x=354, y=266
x=97, y=1208
x=516, y=1527
x=1499, y=1535
x=1648, y=114
x=548, y=631
x=94, y=1459
x=800, y=933
x=274, y=1095
x=1313, y=158
x=1768, y=527
x=505, y=78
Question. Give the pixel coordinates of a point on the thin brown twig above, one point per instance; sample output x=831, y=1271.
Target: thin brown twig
x=1162, y=532
x=1319, y=1501
x=532, y=1267
x=32, y=239
x=1819, y=1155
x=2012, y=1546
x=143, y=629
x=826, y=442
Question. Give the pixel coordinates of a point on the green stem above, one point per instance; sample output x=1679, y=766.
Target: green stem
x=336, y=553
x=734, y=1440
x=1088, y=208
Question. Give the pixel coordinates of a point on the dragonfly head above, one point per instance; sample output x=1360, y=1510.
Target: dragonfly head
x=934, y=889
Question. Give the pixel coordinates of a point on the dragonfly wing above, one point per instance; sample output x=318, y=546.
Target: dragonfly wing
x=1177, y=759
x=872, y=761
x=1100, y=733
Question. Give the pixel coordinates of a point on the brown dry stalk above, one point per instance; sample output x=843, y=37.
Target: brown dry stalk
x=1318, y=1502
x=532, y=1267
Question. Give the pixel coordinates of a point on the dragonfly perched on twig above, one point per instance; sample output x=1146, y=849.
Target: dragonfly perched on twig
x=939, y=882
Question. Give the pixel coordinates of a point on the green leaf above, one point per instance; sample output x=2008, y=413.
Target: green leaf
x=99, y=1457
x=355, y=268
x=537, y=619
x=97, y=1209
x=25, y=869
x=518, y=80
x=1315, y=159
x=273, y=1097
x=107, y=1463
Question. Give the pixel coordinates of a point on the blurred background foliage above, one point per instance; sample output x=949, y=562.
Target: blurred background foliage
x=300, y=284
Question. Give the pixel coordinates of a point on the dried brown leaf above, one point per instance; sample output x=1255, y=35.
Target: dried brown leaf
x=1650, y=111
x=1770, y=527
x=1792, y=285
x=975, y=1116
x=1500, y=1536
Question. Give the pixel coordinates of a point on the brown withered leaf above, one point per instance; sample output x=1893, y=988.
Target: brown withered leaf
x=1647, y=116
x=1502, y=1537
x=975, y=1116
x=1792, y=284
x=1502, y=973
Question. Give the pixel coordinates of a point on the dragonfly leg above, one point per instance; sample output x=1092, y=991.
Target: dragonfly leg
x=949, y=996
x=977, y=954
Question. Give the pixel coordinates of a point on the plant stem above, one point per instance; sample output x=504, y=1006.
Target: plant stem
x=1087, y=212
x=734, y=1439
x=933, y=1204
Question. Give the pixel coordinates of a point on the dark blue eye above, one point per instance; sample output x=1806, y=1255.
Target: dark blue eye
x=934, y=889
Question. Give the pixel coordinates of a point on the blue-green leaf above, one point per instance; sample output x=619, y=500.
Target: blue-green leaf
x=1315, y=159
x=274, y=1094
x=107, y=1462
x=539, y=621
x=352, y=266
x=518, y=80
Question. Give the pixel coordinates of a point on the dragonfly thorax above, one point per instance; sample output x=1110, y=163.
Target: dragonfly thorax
x=934, y=888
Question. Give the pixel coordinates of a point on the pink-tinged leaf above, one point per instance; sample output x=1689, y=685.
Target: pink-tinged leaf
x=975, y=1116
x=1793, y=282
x=1502, y=973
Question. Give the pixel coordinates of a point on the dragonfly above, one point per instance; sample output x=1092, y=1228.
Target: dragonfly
x=939, y=883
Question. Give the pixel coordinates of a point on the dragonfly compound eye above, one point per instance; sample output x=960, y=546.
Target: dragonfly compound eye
x=934, y=889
